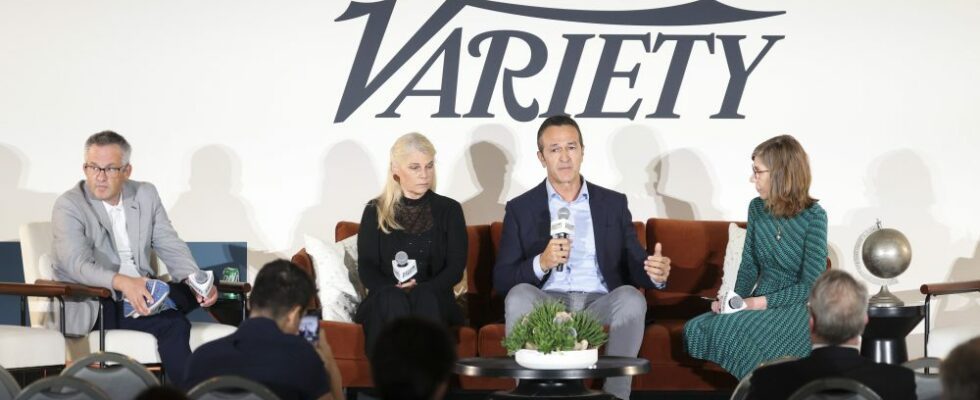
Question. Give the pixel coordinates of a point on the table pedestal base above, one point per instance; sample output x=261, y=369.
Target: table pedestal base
x=567, y=389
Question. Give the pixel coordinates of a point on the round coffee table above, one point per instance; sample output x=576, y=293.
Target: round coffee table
x=554, y=383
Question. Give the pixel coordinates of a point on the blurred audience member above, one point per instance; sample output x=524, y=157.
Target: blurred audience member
x=267, y=347
x=960, y=372
x=413, y=360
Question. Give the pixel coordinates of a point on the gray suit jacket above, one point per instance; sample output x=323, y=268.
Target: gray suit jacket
x=85, y=250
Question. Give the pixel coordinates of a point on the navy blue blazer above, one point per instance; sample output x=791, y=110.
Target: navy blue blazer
x=527, y=229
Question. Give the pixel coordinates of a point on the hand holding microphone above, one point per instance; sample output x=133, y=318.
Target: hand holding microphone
x=403, y=268
x=202, y=282
x=731, y=302
x=555, y=255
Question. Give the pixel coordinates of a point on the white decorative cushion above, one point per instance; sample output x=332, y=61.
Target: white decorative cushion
x=140, y=346
x=339, y=286
x=733, y=257
x=22, y=347
x=203, y=332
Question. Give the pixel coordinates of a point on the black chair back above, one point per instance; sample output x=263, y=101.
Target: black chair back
x=230, y=388
x=62, y=388
x=835, y=389
x=120, y=377
x=927, y=383
x=8, y=385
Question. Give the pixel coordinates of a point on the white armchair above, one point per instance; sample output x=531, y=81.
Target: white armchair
x=36, y=247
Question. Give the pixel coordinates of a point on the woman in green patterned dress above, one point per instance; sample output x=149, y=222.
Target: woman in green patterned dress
x=785, y=251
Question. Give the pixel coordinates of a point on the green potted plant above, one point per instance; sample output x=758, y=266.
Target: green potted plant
x=550, y=337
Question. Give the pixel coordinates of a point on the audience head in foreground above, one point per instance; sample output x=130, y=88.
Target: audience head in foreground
x=413, y=360
x=281, y=293
x=838, y=309
x=960, y=372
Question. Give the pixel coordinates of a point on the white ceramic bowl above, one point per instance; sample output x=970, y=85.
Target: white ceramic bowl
x=557, y=359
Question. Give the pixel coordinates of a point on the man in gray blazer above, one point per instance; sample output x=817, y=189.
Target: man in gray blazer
x=104, y=229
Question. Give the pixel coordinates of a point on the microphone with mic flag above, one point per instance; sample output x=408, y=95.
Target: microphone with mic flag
x=732, y=303
x=201, y=282
x=561, y=227
x=403, y=267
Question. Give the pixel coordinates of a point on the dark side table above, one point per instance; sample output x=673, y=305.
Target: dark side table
x=551, y=383
x=884, y=337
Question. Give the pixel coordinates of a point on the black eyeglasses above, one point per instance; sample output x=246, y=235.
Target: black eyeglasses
x=111, y=172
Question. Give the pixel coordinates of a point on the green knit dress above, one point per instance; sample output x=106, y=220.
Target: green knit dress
x=781, y=260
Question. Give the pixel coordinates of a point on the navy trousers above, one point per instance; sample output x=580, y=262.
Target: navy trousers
x=171, y=329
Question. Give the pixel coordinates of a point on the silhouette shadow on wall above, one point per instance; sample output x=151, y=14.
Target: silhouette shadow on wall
x=490, y=164
x=673, y=185
x=20, y=205
x=214, y=210
x=953, y=310
x=349, y=182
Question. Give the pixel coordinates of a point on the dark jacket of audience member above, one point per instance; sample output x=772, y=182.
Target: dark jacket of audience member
x=838, y=314
x=266, y=347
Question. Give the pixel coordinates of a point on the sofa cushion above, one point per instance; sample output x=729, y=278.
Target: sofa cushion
x=697, y=253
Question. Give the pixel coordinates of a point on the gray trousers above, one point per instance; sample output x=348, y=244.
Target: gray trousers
x=623, y=310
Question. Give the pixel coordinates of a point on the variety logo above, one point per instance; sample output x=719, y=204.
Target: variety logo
x=361, y=85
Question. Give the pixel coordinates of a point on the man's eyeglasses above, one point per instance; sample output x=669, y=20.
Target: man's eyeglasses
x=111, y=172
x=757, y=172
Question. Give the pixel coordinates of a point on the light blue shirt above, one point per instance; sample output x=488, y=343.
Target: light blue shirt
x=581, y=272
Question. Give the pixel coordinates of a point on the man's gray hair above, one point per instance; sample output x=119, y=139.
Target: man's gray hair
x=839, y=306
x=106, y=138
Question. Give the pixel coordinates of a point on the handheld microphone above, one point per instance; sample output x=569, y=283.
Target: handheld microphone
x=403, y=267
x=732, y=303
x=561, y=227
x=201, y=282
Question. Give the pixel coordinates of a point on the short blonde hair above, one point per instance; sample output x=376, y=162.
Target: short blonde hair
x=388, y=201
x=789, y=175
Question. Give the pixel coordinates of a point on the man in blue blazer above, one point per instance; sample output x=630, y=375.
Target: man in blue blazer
x=596, y=268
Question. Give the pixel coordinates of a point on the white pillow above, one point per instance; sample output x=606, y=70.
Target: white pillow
x=350, y=261
x=733, y=257
x=337, y=293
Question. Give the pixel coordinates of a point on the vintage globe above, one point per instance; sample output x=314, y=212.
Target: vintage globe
x=886, y=253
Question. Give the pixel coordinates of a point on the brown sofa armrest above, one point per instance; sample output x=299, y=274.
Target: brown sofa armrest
x=233, y=287
x=936, y=289
x=305, y=262
x=33, y=290
x=77, y=289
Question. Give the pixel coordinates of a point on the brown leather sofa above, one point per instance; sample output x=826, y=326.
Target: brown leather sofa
x=697, y=252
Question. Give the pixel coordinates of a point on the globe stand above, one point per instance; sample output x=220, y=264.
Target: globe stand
x=885, y=298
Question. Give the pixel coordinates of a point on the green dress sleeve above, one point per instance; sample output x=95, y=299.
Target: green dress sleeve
x=814, y=262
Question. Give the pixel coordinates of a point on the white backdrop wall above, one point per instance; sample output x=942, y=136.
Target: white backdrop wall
x=231, y=109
